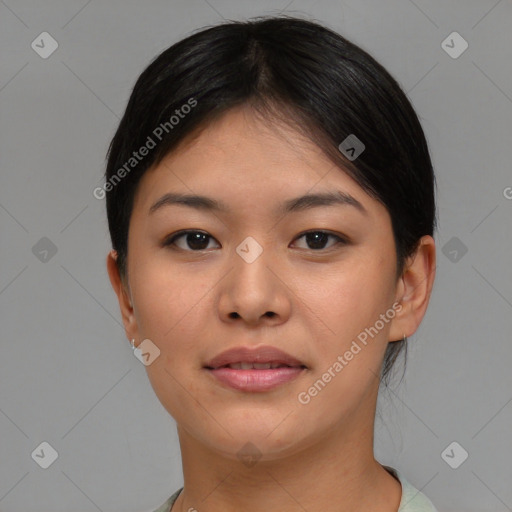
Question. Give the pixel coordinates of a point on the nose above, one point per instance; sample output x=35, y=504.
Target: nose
x=255, y=292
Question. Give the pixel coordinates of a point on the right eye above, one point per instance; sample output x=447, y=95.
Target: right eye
x=196, y=240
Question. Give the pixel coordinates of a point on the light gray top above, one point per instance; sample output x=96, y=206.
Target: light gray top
x=412, y=499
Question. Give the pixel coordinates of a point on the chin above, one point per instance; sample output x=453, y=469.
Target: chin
x=260, y=439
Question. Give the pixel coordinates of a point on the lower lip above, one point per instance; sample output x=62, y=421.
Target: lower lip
x=256, y=380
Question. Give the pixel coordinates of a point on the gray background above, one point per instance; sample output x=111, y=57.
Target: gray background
x=67, y=373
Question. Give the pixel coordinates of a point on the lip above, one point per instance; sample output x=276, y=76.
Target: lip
x=263, y=354
x=254, y=380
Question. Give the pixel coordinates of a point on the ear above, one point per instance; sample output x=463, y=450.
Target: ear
x=413, y=289
x=123, y=296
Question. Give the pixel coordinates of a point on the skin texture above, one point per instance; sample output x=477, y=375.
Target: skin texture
x=319, y=455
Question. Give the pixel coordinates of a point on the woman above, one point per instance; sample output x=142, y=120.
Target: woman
x=270, y=200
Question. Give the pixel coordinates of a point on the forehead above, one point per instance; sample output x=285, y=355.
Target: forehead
x=241, y=160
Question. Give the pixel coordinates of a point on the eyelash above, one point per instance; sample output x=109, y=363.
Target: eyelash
x=169, y=241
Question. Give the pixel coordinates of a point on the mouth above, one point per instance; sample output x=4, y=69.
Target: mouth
x=254, y=369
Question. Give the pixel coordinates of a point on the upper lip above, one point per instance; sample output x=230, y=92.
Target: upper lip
x=263, y=354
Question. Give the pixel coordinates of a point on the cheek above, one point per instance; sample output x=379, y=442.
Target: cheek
x=172, y=307
x=343, y=301
x=168, y=301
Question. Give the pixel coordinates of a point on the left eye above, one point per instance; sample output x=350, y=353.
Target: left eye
x=198, y=241
x=319, y=238
x=194, y=239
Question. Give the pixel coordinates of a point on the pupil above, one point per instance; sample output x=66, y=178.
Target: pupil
x=194, y=241
x=319, y=239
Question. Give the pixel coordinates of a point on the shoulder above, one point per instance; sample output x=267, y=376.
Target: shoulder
x=166, y=507
x=412, y=499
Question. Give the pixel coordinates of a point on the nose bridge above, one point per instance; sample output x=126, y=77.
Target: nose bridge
x=250, y=250
x=250, y=261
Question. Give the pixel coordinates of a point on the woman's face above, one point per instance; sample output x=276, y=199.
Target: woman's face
x=309, y=296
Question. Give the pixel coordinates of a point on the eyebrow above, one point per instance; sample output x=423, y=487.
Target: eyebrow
x=305, y=202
